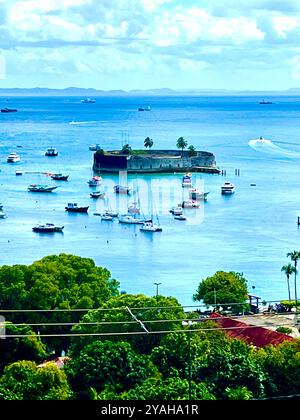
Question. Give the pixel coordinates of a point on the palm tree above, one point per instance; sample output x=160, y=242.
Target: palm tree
x=192, y=151
x=288, y=270
x=148, y=142
x=181, y=143
x=295, y=255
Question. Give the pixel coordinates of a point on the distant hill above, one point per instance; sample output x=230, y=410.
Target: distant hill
x=91, y=92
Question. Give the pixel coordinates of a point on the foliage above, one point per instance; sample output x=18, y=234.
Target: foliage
x=289, y=304
x=170, y=389
x=100, y=152
x=282, y=367
x=159, y=308
x=225, y=288
x=284, y=330
x=23, y=380
x=239, y=393
x=126, y=149
x=104, y=363
x=181, y=143
x=148, y=143
x=192, y=151
x=14, y=349
x=54, y=282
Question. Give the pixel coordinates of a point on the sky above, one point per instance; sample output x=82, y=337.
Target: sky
x=147, y=44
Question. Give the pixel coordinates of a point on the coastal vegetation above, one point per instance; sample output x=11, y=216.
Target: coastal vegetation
x=119, y=346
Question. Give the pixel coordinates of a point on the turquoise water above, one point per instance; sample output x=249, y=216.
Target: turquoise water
x=250, y=231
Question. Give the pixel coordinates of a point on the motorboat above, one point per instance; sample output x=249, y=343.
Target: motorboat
x=144, y=108
x=263, y=102
x=93, y=182
x=88, y=101
x=97, y=194
x=1, y=206
x=51, y=151
x=107, y=217
x=2, y=214
x=59, y=177
x=13, y=157
x=74, y=208
x=130, y=220
x=228, y=188
x=190, y=204
x=95, y=147
x=47, y=228
x=18, y=172
x=187, y=180
x=180, y=217
x=133, y=209
x=196, y=195
x=111, y=213
x=176, y=211
x=149, y=226
x=118, y=189
x=8, y=110
x=41, y=188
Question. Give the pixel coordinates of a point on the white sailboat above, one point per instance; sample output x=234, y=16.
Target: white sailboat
x=149, y=225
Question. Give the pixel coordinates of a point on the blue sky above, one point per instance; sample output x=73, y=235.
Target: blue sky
x=145, y=44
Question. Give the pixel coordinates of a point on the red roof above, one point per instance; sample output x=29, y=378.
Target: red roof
x=258, y=336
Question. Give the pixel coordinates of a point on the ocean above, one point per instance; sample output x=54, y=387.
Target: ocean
x=249, y=232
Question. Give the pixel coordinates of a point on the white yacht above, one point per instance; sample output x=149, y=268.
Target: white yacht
x=130, y=220
x=228, y=188
x=13, y=157
x=149, y=226
x=187, y=180
x=176, y=211
x=196, y=195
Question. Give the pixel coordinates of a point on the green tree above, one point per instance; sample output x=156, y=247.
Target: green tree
x=14, y=349
x=288, y=270
x=281, y=364
x=156, y=313
x=148, y=143
x=107, y=364
x=224, y=288
x=181, y=143
x=192, y=151
x=239, y=393
x=23, y=380
x=126, y=149
x=294, y=256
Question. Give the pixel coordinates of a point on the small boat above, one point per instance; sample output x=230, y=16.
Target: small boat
x=73, y=208
x=97, y=194
x=2, y=214
x=180, y=217
x=1, y=206
x=88, y=101
x=195, y=194
x=133, y=209
x=51, y=151
x=95, y=147
x=130, y=220
x=41, y=188
x=144, y=108
x=8, y=110
x=149, y=226
x=118, y=189
x=93, y=182
x=106, y=217
x=262, y=140
x=190, y=204
x=227, y=188
x=18, y=172
x=59, y=177
x=176, y=211
x=13, y=157
x=47, y=228
x=263, y=102
x=187, y=180
x=111, y=213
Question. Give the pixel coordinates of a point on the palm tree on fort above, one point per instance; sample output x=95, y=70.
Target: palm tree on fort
x=148, y=143
x=294, y=256
x=288, y=270
x=181, y=143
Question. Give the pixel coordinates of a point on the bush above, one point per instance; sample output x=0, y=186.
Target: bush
x=289, y=304
x=284, y=330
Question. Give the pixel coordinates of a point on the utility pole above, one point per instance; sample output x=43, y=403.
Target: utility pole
x=157, y=284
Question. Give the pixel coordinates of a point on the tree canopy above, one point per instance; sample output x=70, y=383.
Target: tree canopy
x=222, y=288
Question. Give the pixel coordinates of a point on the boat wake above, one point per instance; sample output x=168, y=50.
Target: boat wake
x=268, y=147
x=82, y=122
